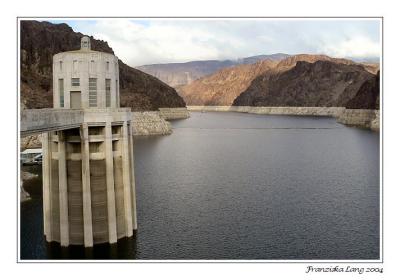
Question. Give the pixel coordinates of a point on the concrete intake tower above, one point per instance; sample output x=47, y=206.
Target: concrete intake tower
x=88, y=172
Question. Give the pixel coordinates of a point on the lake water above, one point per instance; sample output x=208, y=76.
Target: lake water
x=242, y=186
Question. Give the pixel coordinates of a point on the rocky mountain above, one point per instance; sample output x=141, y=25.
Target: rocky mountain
x=178, y=74
x=299, y=80
x=307, y=80
x=222, y=87
x=291, y=61
x=41, y=40
x=256, y=58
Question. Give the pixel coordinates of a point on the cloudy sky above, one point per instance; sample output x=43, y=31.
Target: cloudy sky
x=148, y=41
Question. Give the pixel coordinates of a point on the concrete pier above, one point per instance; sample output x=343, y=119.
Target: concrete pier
x=86, y=195
x=92, y=198
x=63, y=191
x=112, y=223
x=46, y=185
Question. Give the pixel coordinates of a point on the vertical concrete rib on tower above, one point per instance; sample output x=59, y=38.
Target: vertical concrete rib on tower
x=88, y=180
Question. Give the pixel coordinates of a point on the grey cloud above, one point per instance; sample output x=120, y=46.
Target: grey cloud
x=160, y=41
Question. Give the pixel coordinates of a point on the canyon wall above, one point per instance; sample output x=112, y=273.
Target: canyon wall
x=303, y=80
x=323, y=83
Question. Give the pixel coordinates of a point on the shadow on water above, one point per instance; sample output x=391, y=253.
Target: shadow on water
x=125, y=248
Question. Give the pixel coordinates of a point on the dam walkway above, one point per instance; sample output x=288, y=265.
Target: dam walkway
x=35, y=121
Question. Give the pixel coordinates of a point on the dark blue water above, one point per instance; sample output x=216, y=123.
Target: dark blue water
x=242, y=186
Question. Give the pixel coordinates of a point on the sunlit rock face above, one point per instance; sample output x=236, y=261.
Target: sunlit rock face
x=222, y=87
x=311, y=83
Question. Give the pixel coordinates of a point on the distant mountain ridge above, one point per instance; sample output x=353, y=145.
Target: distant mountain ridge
x=41, y=40
x=299, y=80
x=256, y=58
x=179, y=74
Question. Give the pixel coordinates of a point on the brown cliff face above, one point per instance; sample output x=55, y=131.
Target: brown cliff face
x=367, y=97
x=41, y=40
x=143, y=92
x=222, y=87
x=371, y=67
x=326, y=82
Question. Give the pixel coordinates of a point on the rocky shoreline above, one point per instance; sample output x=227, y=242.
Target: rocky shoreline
x=353, y=117
x=156, y=122
x=360, y=117
x=150, y=123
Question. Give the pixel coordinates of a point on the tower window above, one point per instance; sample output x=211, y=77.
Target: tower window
x=75, y=82
x=61, y=91
x=108, y=66
x=92, y=92
x=61, y=63
x=92, y=66
x=108, y=92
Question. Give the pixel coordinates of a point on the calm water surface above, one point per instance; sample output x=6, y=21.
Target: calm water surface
x=242, y=186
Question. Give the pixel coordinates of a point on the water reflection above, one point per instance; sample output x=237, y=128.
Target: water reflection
x=125, y=248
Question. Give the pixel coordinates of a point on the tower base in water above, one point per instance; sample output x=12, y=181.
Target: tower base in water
x=88, y=180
